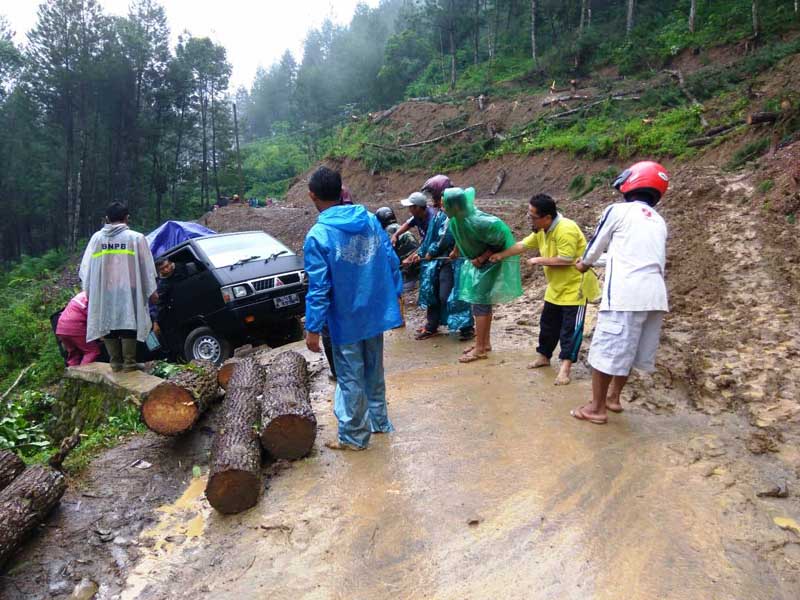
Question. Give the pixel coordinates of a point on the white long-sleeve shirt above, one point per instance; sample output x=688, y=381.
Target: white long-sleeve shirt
x=634, y=236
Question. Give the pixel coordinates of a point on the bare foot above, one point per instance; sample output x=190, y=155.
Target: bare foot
x=471, y=348
x=614, y=406
x=337, y=445
x=472, y=357
x=584, y=414
x=562, y=379
x=541, y=361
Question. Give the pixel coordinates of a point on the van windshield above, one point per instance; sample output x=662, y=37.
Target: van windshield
x=227, y=250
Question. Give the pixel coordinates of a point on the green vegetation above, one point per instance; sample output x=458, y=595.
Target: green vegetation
x=30, y=291
x=748, y=152
x=765, y=186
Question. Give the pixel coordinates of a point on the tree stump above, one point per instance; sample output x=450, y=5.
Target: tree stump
x=11, y=465
x=174, y=406
x=25, y=503
x=234, y=480
x=288, y=424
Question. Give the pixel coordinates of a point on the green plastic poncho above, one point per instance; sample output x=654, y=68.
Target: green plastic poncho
x=475, y=232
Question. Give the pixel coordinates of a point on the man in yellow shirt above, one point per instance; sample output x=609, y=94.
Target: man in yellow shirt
x=560, y=242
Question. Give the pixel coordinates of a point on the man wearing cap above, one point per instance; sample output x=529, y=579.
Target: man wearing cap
x=437, y=273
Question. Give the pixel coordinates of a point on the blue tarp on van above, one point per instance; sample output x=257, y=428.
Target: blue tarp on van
x=172, y=233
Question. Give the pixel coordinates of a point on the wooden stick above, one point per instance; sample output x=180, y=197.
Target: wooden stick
x=16, y=382
x=424, y=142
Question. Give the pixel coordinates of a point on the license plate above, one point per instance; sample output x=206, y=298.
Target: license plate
x=284, y=301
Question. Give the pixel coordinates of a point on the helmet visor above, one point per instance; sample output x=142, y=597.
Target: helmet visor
x=621, y=178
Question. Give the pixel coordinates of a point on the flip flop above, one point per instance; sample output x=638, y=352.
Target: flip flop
x=468, y=358
x=471, y=348
x=424, y=335
x=582, y=416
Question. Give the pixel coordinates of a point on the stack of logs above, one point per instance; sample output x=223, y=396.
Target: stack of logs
x=264, y=406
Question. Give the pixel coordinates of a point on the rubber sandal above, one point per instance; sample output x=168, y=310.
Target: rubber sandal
x=424, y=335
x=582, y=416
x=471, y=348
x=468, y=358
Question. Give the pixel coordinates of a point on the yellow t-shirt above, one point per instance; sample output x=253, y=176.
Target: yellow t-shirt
x=564, y=240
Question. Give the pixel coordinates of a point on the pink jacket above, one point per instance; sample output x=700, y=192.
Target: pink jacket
x=73, y=320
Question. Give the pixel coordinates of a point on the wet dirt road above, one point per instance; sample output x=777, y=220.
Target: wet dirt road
x=488, y=489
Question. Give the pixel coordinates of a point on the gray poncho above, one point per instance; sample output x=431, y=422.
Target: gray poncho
x=119, y=276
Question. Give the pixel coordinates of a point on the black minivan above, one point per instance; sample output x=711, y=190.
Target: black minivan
x=238, y=288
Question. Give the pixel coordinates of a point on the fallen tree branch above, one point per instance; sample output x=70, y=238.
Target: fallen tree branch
x=682, y=84
x=16, y=382
x=559, y=99
x=762, y=117
x=712, y=134
x=585, y=106
x=424, y=142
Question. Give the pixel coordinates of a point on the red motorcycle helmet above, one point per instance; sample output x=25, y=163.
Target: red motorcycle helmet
x=646, y=176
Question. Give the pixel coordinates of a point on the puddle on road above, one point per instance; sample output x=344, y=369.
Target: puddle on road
x=488, y=489
x=180, y=525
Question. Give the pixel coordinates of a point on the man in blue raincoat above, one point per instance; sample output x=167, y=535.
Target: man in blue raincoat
x=354, y=286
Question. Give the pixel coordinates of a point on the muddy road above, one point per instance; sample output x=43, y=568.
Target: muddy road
x=488, y=489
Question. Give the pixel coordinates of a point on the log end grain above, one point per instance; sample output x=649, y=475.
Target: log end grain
x=224, y=374
x=289, y=436
x=169, y=409
x=233, y=491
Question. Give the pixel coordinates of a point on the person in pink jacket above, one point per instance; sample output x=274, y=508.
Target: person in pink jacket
x=71, y=332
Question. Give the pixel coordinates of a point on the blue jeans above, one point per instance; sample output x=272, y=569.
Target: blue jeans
x=360, y=400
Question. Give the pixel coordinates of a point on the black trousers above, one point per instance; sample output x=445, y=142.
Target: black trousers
x=564, y=325
x=122, y=334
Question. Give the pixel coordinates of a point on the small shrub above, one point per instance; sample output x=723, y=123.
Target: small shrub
x=765, y=186
x=577, y=184
x=749, y=152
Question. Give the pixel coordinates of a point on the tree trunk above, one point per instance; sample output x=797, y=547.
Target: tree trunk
x=177, y=159
x=452, y=56
x=11, y=465
x=234, y=480
x=174, y=406
x=477, y=32
x=533, y=31
x=204, y=173
x=756, y=20
x=288, y=424
x=214, y=143
x=629, y=21
x=757, y=118
x=25, y=503
x=582, y=24
x=692, y=15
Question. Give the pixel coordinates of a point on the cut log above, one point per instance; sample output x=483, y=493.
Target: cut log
x=11, y=465
x=25, y=503
x=234, y=480
x=762, y=117
x=288, y=424
x=498, y=181
x=226, y=370
x=174, y=406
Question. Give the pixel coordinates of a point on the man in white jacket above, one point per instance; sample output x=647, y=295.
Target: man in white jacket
x=119, y=277
x=634, y=301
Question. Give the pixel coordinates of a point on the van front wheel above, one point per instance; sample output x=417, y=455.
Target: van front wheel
x=203, y=344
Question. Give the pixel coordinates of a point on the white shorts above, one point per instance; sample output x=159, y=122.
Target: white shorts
x=623, y=340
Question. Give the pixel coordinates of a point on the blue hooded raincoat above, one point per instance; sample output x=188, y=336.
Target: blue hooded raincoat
x=353, y=274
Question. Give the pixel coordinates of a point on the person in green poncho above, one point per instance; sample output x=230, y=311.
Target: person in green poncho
x=478, y=236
